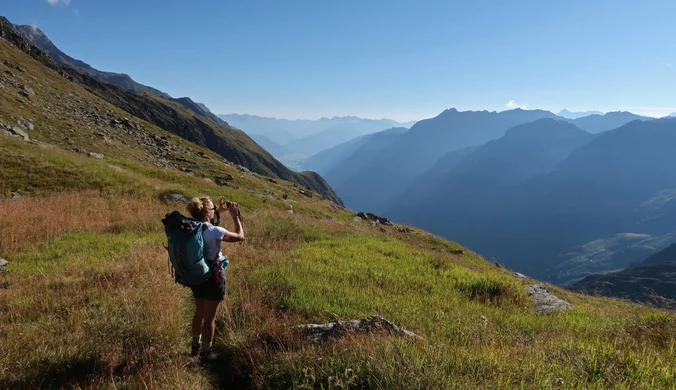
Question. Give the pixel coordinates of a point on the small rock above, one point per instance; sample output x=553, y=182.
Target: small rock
x=96, y=155
x=174, y=198
x=402, y=229
x=26, y=91
x=374, y=223
x=3, y=264
x=358, y=219
x=27, y=125
x=519, y=276
x=271, y=180
x=16, y=195
x=498, y=265
x=115, y=168
x=223, y=180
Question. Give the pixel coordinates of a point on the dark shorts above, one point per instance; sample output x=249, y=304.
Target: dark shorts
x=211, y=290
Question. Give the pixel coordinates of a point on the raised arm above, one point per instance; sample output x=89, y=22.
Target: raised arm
x=238, y=234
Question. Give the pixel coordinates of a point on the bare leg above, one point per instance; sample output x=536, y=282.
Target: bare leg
x=198, y=318
x=209, y=325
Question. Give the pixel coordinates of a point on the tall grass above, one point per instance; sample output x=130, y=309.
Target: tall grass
x=26, y=221
x=88, y=302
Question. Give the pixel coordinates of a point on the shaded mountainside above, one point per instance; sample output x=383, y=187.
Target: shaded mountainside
x=181, y=117
x=650, y=281
x=269, y=145
x=374, y=176
x=667, y=254
x=467, y=176
x=606, y=255
x=618, y=182
x=350, y=152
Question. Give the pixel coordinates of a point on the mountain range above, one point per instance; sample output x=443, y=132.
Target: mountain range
x=575, y=115
x=534, y=190
x=296, y=140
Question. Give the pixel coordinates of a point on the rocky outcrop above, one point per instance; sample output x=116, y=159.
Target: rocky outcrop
x=13, y=131
x=373, y=218
x=544, y=302
x=339, y=329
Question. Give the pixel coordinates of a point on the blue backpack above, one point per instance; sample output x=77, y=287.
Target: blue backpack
x=186, y=250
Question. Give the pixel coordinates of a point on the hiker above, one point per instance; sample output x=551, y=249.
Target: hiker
x=210, y=294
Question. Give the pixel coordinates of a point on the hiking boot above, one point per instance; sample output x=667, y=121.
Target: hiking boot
x=207, y=356
x=195, y=350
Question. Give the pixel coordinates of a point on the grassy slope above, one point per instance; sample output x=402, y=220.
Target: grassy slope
x=88, y=302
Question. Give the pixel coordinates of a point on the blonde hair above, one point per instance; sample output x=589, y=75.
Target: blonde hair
x=199, y=207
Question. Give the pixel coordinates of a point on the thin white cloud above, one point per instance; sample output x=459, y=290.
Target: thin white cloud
x=76, y=12
x=512, y=105
x=56, y=2
x=669, y=65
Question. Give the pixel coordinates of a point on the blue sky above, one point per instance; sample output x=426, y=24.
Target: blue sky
x=398, y=59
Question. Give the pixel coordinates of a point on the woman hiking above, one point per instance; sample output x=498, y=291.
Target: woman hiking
x=210, y=294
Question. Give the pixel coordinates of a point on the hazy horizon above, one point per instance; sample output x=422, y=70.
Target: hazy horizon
x=377, y=60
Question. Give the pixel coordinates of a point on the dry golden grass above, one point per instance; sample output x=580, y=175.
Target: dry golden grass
x=27, y=221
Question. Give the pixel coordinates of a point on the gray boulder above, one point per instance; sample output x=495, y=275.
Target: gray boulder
x=339, y=329
x=544, y=302
x=3, y=264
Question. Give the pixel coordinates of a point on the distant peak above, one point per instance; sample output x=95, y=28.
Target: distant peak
x=577, y=114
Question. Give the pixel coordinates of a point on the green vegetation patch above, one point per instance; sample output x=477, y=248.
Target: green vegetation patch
x=361, y=275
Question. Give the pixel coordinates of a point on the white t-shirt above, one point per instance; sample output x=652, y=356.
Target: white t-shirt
x=212, y=237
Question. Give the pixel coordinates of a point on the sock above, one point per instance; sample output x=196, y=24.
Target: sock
x=196, y=339
x=206, y=346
